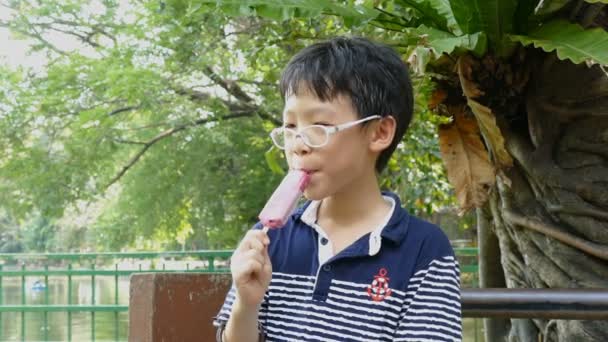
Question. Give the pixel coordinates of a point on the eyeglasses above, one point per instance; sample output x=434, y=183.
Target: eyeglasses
x=314, y=135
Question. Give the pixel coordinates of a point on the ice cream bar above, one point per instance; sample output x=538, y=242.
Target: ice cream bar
x=284, y=199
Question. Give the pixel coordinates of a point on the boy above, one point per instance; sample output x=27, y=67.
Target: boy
x=350, y=264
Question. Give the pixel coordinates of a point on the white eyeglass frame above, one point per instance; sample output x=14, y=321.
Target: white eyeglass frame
x=329, y=130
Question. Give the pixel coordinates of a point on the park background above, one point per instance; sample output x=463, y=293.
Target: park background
x=142, y=126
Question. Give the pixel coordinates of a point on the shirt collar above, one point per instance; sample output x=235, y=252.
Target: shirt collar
x=394, y=230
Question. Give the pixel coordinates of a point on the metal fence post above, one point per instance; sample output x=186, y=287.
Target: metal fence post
x=23, y=301
x=93, y=302
x=1, y=302
x=69, y=302
x=116, y=302
x=46, y=301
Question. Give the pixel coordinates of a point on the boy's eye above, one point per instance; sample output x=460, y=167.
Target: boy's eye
x=288, y=125
x=323, y=123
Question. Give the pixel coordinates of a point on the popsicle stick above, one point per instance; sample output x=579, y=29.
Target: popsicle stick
x=265, y=229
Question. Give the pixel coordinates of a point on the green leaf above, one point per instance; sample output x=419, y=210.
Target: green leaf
x=524, y=16
x=438, y=11
x=467, y=15
x=432, y=43
x=495, y=18
x=548, y=7
x=570, y=41
x=597, y=1
x=355, y=15
x=418, y=60
x=286, y=9
x=272, y=157
x=443, y=42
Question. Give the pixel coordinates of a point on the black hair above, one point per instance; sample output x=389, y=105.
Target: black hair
x=371, y=74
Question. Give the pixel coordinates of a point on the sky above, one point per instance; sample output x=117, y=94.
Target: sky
x=14, y=52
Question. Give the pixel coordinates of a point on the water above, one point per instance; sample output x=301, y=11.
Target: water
x=57, y=327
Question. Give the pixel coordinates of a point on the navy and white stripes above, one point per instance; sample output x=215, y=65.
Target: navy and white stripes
x=406, y=288
x=432, y=306
x=428, y=311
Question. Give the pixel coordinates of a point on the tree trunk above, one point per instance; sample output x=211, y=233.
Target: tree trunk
x=490, y=272
x=550, y=210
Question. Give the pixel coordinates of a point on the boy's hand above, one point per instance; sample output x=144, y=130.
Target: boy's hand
x=251, y=268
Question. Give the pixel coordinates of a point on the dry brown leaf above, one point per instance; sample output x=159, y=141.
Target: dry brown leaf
x=437, y=97
x=491, y=132
x=484, y=115
x=466, y=160
x=465, y=69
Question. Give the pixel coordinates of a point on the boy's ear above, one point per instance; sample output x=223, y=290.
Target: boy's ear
x=382, y=133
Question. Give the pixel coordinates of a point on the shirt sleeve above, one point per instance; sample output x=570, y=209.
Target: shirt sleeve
x=431, y=310
x=224, y=314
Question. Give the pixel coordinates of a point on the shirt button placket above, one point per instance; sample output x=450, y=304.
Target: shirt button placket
x=323, y=283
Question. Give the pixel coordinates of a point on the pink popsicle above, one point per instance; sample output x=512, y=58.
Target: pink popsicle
x=284, y=199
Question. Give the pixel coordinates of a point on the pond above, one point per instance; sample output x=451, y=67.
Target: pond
x=57, y=327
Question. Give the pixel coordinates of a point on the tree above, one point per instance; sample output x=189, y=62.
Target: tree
x=9, y=235
x=156, y=118
x=38, y=235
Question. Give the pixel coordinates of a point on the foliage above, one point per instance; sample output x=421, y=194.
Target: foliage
x=9, y=235
x=163, y=111
x=574, y=43
x=39, y=235
x=36, y=234
x=161, y=116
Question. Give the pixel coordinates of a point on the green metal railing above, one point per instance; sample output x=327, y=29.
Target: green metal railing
x=471, y=265
x=62, y=270
x=62, y=265
x=469, y=268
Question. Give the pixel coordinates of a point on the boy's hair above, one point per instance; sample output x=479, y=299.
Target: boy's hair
x=372, y=75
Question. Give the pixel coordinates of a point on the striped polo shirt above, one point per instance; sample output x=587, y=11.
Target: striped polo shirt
x=400, y=282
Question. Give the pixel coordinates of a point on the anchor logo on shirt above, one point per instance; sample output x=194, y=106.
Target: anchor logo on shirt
x=379, y=290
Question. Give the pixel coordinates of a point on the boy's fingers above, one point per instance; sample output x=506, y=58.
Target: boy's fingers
x=267, y=268
x=247, y=271
x=266, y=240
x=254, y=267
x=246, y=242
x=261, y=236
x=253, y=254
x=266, y=255
x=256, y=245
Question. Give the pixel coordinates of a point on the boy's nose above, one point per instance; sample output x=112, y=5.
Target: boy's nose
x=299, y=147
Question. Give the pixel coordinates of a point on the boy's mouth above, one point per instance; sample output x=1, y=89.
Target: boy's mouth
x=309, y=171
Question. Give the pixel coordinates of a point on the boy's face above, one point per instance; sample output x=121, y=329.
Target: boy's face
x=346, y=157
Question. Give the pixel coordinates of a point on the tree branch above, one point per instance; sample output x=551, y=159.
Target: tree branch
x=270, y=118
x=267, y=84
x=197, y=96
x=166, y=134
x=130, y=142
x=598, y=214
x=85, y=37
x=35, y=35
x=122, y=110
x=233, y=89
x=558, y=233
x=142, y=127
